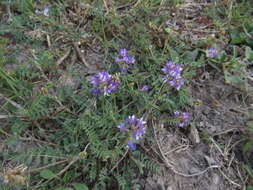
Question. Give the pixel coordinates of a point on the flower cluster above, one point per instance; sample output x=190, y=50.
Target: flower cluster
x=45, y=11
x=136, y=128
x=104, y=83
x=212, y=53
x=184, y=118
x=126, y=60
x=173, y=74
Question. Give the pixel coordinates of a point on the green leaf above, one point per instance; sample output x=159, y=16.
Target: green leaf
x=79, y=186
x=248, y=169
x=249, y=187
x=249, y=53
x=236, y=37
x=247, y=146
x=47, y=174
x=13, y=140
x=174, y=55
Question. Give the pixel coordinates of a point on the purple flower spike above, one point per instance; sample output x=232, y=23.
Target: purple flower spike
x=173, y=74
x=212, y=53
x=126, y=61
x=145, y=88
x=184, y=118
x=131, y=145
x=111, y=87
x=135, y=128
x=104, y=83
x=46, y=11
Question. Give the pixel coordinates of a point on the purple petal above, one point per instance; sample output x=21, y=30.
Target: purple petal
x=212, y=53
x=131, y=145
x=37, y=12
x=96, y=92
x=46, y=11
x=123, y=52
x=118, y=60
x=145, y=88
x=122, y=127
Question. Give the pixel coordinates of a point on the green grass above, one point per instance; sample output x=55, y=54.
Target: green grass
x=69, y=123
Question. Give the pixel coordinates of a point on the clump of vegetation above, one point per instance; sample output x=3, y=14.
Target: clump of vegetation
x=89, y=124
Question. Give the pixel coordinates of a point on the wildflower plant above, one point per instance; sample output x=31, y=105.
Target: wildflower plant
x=76, y=119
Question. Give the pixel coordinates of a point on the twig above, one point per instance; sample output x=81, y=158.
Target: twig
x=48, y=41
x=126, y=5
x=38, y=67
x=227, y=178
x=68, y=166
x=61, y=59
x=226, y=131
x=116, y=165
x=74, y=160
x=47, y=166
x=8, y=8
x=181, y=147
x=218, y=148
x=34, y=139
x=106, y=6
x=12, y=102
x=80, y=55
x=169, y=165
x=5, y=116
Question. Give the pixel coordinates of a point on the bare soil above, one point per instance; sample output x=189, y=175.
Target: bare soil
x=209, y=156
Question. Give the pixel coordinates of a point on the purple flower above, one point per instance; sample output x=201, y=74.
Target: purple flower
x=168, y=22
x=177, y=83
x=123, y=52
x=174, y=70
x=129, y=59
x=126, y=61
x=138, y=134
x=96, y=92
x=184, y=118
x=37, y=12
x=212, y=53
x=122, y=127
x=145, y=88
x=111, y=87
x=46, y=11
x=173, y=74
x=131, y=145
x=104, y=83
x=135, y=128
x=100, y=78
x=123, y=69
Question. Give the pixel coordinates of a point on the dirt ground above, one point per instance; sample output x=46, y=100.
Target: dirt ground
x=209, y=155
